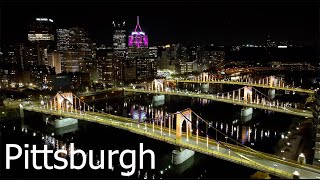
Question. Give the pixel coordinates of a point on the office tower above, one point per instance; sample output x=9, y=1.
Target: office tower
x=139, y=59
x=41, y=36
x=54, y=60
x=119, y=50
x=153, y=61
x=63, y=39
x=105, y=66
x=77, y=50
x=119, y=39
x=138, y=38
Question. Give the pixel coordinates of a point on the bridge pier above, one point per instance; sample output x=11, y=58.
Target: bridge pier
x=66, y=129
x=180, y=155
x=246, y=118
x=158, y=100
x=205, y=87
x=272, y=93
x=59, y=123
x=246, y=111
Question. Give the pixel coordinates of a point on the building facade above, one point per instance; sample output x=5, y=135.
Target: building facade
x=105, y=66
x=41, y=38
x=140, y=58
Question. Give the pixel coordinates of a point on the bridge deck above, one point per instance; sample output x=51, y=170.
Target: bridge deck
x=239, y=155
x=295, y=89
x=291, y=111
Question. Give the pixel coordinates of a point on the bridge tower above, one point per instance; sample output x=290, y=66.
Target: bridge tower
x=181, y=117
x=157, y=85
x=180, y=155
x=246, y=112
x=63, y=101
x=247, y=95
x=205, y=77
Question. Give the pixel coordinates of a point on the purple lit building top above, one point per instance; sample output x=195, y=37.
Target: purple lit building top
x=138, y=38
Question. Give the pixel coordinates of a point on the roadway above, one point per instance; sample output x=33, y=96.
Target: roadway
x=292, y=111
x=237, y=154
x=285, y=88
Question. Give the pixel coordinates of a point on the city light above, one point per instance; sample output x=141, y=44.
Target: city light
x=262, y=93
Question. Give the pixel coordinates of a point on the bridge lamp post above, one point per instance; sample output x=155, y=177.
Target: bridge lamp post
x=197, y=136
x=161, y=125
x=153, y=126
x=275, y=167
x=226, y=139
x=145, y=125
x=229, y=152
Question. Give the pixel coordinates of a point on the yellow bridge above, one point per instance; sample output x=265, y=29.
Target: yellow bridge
x=254, y=84
x=229, y=152
x=232, y=99
x=270, y=82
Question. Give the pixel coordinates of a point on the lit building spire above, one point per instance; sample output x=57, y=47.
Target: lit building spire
x=138, y=38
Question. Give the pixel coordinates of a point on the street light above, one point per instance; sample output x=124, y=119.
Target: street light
x=275, y=166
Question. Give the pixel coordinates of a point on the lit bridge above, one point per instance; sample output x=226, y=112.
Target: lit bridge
x=184, y=129
x=270, y=82
x=245, y=96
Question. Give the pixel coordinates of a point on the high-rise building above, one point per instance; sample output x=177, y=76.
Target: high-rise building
x=119, y=50
x=138, y=38
x=153, y=61
x=76, y=48
x=54, y=60
x=63, y=39
x=118, y=64
x=105, y=66
x=41, y=36
x=119, y=39
x=139, y=59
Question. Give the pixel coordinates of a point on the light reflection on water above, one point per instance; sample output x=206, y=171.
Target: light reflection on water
x=245, y=133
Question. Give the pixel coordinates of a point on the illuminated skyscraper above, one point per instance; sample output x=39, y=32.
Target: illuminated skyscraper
x=63, y=39
x=119, y=50
x=41, y=36
x=105, y=66
x=119, y=39
x=139, y=60
x=76, y=47
x=138, y=38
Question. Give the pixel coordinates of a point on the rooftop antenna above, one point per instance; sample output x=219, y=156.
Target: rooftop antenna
x=138, y=25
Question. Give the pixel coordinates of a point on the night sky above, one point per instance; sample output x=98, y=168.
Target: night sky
x=189, y=24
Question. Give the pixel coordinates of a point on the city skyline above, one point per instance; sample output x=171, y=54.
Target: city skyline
x=215, y=25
